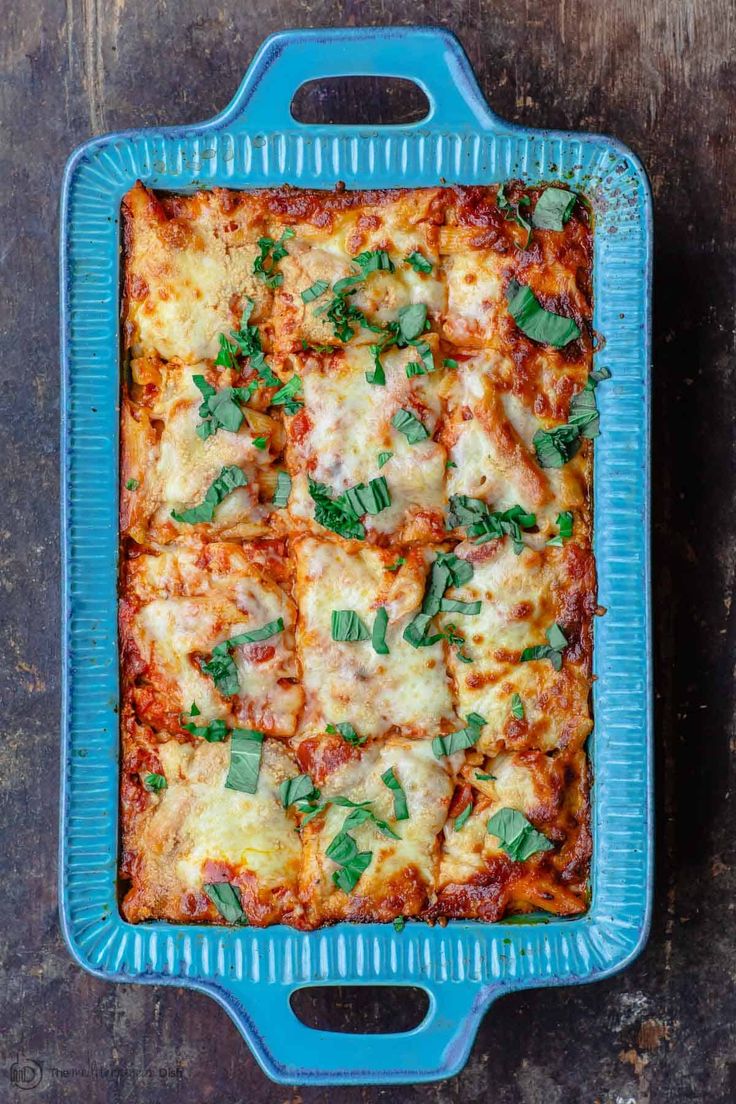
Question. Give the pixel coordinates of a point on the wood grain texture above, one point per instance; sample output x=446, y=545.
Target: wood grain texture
x=662, y=77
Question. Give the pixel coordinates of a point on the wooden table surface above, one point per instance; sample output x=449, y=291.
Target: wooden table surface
x=661, y=76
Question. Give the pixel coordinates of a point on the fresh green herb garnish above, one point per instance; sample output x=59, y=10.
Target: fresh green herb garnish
x=264, y=266
x=299, y=788
x=370, y=498
x=517, y=707
x=154, y=783
x=220, y=409
x=448, y=362
x=378, y=635
x=554, y=447
x=319, y=287
x=221, y=666
x=260, y=442
x=132, y=485
x=396, y=564
x=352, y=863
x=347, y=626
x=399, y=923
x=408, y=424
x=457, y=641
x=246, y=746
x=458, y=741
x=415, y=369
x=462, y=817
x=552, y=650
x=335, y=514
x=378, y=375
x=227, y=481
x=383, y=458
x=285, y=396
x=418, y=262
x=214, y=732
x=283, y=489
x=484, y=524
x=516, y=836
x=348, y=733
x=536, y=322
x=485, y=777
x=447, y=570
x=512, y=212
x=553, y=209
x=564, y=524
x=412, y=322
x=227, y=900
x=401, y=808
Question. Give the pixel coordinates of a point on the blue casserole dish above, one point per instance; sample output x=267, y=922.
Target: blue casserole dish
x=463, y=967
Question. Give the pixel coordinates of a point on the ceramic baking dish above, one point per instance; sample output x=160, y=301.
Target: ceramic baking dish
x=464, y=966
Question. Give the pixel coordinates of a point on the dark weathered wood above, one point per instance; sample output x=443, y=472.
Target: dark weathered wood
x=660, y=76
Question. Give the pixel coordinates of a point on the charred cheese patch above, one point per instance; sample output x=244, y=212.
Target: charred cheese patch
x=350, y=681
x=401, y=875
x=205, y=597
x=196, y=831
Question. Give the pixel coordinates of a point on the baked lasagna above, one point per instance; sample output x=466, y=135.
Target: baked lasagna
x=357, y=580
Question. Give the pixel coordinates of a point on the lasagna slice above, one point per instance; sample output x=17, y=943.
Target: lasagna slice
x=529, y=646
x=207, y=635
x=372, y=850
x=355, y=603
x=517, y=838
x=370, y=445
x=198, y=845
x=195, y=460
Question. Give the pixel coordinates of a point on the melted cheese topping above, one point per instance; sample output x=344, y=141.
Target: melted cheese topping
x=191, y=270
x=402, y=872
x=170, y=636
x=408, y=687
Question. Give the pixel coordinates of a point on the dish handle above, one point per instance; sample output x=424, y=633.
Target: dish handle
x=429, y=56
x=292, y=1053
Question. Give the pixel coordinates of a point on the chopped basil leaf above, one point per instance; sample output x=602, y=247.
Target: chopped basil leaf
x=418, y=262
x=600, y=374
x=368, y=498
x=447, y=570
x=552, y=650
x=132, y=485
x=342, y=315
x=264, y=266
x=453, y=605
x=319, y=287
x=227, y=900
x=554, y=447
x=194, y=711
x=229, y=478
x=484, y=524
x=347, y=626
x=352, y=863
x=512, y=212
x=457, y=641
x=584, y=410
x=462, y=817
x=408, y=424
x=485, y=777
x=415, y=369
x=517, y=838
x=383, y=458
x=458, y=741
x=374, y=260
x=317, y=348
x=219, y=409
x=260, y=442
x=214, y=732
x=536, y=322
x=348, y=733
x=221, y=666
x=553, y=209
x=246, y=746
x=299, y=788
x=335, y=514
x=283, y=489
x=285, y=396
x=378, y=375
x=154, y=783
x=396, y=564
x=412, y=321
x=401, y=808
x=448, y=362
x=450, y=464
x=378, y=636
x=399, y=923
x=564, y=524
x=517, y=707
